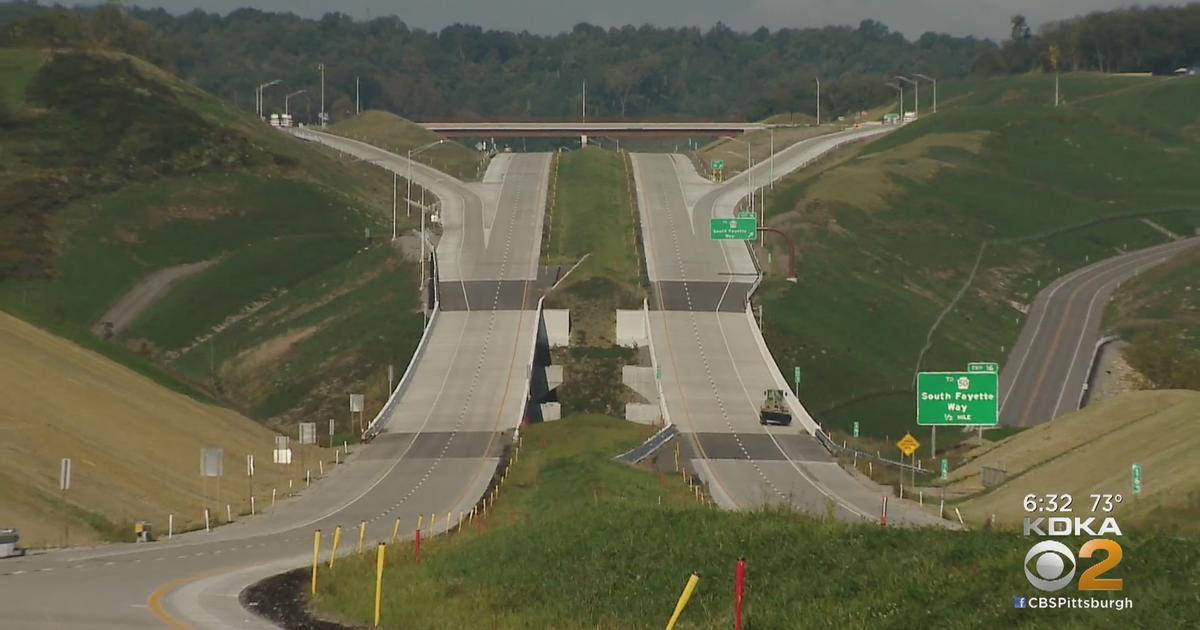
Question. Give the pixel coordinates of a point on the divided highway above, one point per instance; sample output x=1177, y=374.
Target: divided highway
x=439, y=443
x=715, y=363
x=1049, y=365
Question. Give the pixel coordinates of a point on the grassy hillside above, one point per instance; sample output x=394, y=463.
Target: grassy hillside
x=592, y=215
x=111, y=170
x=134, y=446
x=579, y=541
x=888, y=233
x=1092, y=451
x=396, y=134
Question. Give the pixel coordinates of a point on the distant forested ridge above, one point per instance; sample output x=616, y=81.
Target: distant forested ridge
x=465, y=72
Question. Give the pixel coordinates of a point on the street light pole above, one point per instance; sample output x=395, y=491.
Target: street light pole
x=261, y=87
x=286, y=97
x=917, y=90
x=321, y=67
x=934, y=81
x=818, y=80
x=899, y=98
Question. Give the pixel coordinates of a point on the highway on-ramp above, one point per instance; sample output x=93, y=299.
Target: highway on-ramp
x=715, y=364
x=440, y=437
x=1048, y=367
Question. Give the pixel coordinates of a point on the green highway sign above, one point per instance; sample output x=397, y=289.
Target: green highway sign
x=658, y=373
x=856, y=428
x=1137, y=479
x=735, y=229
x=945, y=469
x=718, y=165
x=983, y=367
x=958, y=398
x=796, y=378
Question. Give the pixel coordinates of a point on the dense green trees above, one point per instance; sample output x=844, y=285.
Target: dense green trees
x=467, y=72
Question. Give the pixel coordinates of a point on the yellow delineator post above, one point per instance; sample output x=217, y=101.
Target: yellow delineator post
x=420, y=521
x=460, y=519
x=449, y=522
x=379, y=582
x=683, y=600
x=362, y=534
x=395, y=531
x=337, y=539
x=432, y=523
x=316, y=558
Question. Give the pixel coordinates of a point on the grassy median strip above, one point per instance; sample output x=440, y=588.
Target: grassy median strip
x=579, y=541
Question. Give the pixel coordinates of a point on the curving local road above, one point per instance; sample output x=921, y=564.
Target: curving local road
x=1048, y=367
x=441, y=438
x=714, y=361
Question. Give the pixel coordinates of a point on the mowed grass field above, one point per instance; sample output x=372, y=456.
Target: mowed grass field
x=134, y=446
x=1092, y=451
x=577, y=540
x=592, y=215
x=398, y=135
x=305, y=303
x=889, y=232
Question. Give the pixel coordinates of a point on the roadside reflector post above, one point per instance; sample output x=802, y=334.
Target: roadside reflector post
x=337, y=540
x=739, y=589
x=883, y=512
x=395, y=530
x=379, y=581
x=207, y=524
x=362, y=535
x=417, y=547
x=316, y=558
x=684, y=598
x=228, y=513
x=170, y=526
x=272, y=497
x=252, y=508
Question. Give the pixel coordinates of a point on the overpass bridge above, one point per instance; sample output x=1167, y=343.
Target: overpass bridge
x=535, y=129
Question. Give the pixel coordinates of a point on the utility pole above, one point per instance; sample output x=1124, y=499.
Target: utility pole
x=357, y=97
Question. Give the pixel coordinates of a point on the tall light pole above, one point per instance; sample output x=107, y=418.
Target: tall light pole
x=322, y=116
x=899, y=98
x=917, y=89
x=288, y=96
x=261, y=87
x=408, y=203
x=818, y=80
x=357, y=97
x=934, y=82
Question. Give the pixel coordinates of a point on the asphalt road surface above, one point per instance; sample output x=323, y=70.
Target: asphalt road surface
x=1048, y=367
x=438, y=450
x=715, y=368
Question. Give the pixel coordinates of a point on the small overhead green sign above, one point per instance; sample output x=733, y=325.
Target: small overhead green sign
x=958, y=398
x=983, y=366
x=733, y=229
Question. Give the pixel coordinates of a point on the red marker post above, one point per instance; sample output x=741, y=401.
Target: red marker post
x=739, y=589
x=417, y=547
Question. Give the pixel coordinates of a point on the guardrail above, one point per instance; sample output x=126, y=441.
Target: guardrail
x=374, y=427
x=639, y=453
x=662, y=400
x=1090, y=375
x=530, y=367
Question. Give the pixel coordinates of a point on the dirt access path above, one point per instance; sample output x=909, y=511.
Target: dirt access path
x=126, y=310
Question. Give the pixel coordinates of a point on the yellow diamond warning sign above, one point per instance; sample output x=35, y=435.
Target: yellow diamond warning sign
x=908, y=445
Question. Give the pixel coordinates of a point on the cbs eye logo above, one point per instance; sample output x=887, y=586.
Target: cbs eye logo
x=1050, y=565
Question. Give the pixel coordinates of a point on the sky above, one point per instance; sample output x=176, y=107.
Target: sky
x=984, y=18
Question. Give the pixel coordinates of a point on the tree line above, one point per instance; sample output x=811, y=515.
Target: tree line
x=467, y=72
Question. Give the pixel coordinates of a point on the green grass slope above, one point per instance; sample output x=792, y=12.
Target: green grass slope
x=113, y=170
x=888, y=233
x=399, y=135
x=576, y=540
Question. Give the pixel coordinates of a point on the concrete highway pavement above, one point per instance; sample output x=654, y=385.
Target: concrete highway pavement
x=1046, y=370
x=715, y=364
x=441, y=441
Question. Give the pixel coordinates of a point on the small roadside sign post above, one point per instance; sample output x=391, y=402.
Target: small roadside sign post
x=718, y=165
x=658, y=373
x=1137, y=479
x=796, y=378
x=856, y=428
x=64, y=484
x=945, y=469
x=733, y=229
x=983, y=366
x=908, y=445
